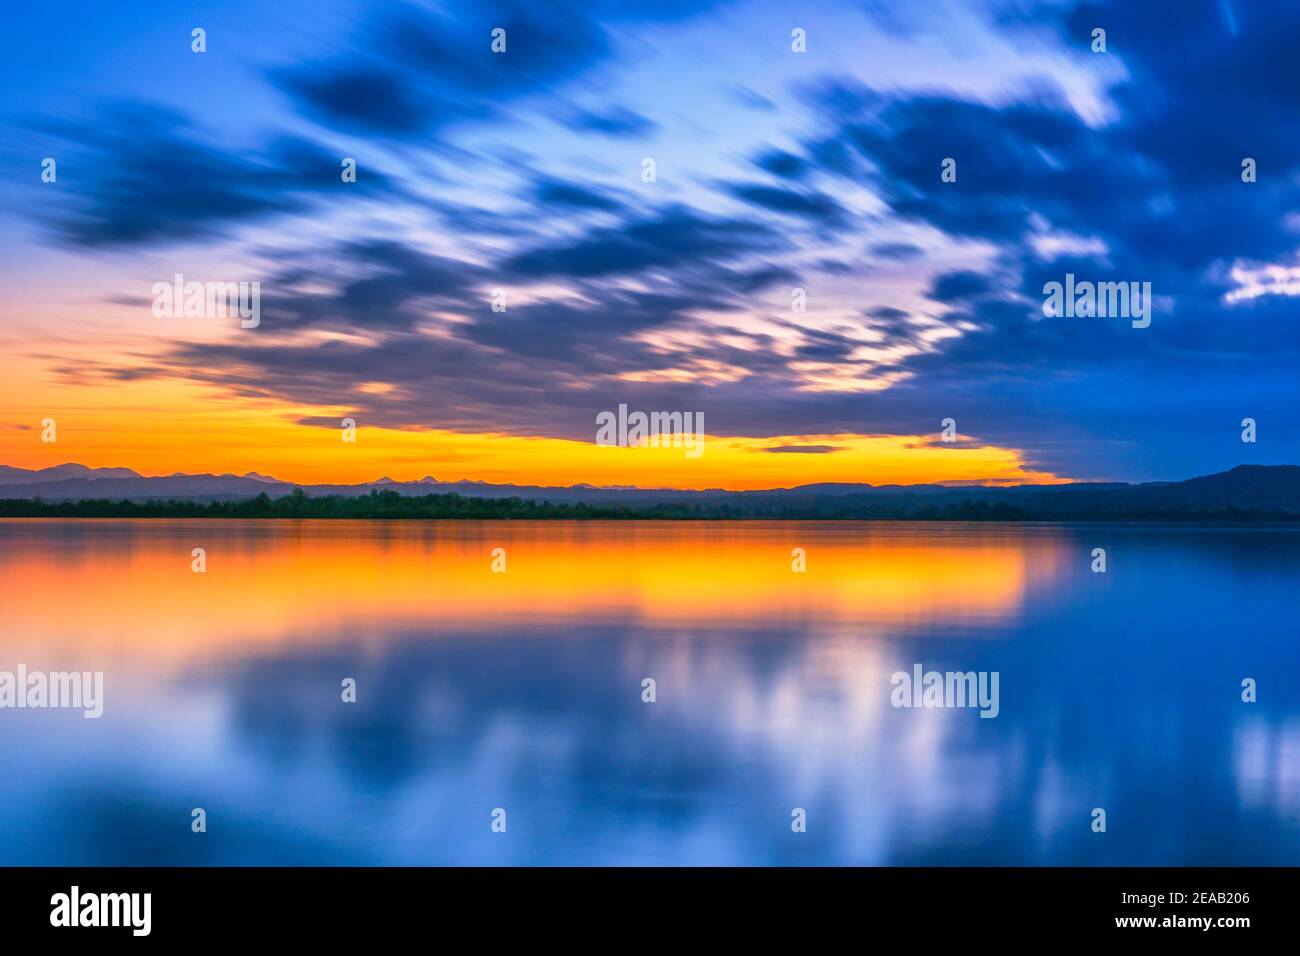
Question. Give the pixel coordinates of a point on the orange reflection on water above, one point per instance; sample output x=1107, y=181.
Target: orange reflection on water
x=122, y=587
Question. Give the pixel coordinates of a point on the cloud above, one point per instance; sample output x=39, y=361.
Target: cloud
x=413, y=70
x=897, y=251
x=804, y=449
x=370, y=285
x=677, y=237
x=145, y=175
x=817, y=208
x=557, y=195
x=366, y=98
x=617, y=121
x=782, y=164
x=955, y=286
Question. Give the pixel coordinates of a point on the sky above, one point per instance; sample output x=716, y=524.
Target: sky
x=798, y=151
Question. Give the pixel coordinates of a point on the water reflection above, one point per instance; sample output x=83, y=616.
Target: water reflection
x=522, y=690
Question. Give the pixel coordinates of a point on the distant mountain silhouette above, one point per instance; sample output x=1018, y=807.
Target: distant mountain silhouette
x=22, y=476
x=1251, y=491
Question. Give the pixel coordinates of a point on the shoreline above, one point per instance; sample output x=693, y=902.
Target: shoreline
x=408, y=509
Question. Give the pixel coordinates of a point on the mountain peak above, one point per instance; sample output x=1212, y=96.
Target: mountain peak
x=69, y=470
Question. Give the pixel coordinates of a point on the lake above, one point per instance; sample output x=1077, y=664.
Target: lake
x=480, y=691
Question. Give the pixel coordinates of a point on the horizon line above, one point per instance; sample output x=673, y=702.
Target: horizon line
x=253, y=475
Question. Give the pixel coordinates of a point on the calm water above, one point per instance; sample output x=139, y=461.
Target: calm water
x=522, y=691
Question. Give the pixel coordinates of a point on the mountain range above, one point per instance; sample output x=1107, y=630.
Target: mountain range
x=1255, y=490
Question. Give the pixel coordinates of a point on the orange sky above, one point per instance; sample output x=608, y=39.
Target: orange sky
x=61, y=366
x=159, y=427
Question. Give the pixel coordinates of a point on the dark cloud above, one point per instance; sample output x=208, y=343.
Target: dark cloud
x=783, y=164
x=952, y=286
x=897, y=251
x=804, y=449
x=412, y=70
x=676, y=238
x=365, y=97
x=555, y=194
x=1212, y=81
x=817, y=208
x=765, y=277
x=618, y=122
x=820, y=345
x=144, y=174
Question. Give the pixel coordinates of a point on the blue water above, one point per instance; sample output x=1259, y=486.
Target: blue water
x=477, y=692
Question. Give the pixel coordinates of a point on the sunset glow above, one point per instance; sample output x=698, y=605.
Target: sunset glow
x=158, y=428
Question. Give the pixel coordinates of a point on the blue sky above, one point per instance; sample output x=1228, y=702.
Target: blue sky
x=775, y=170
